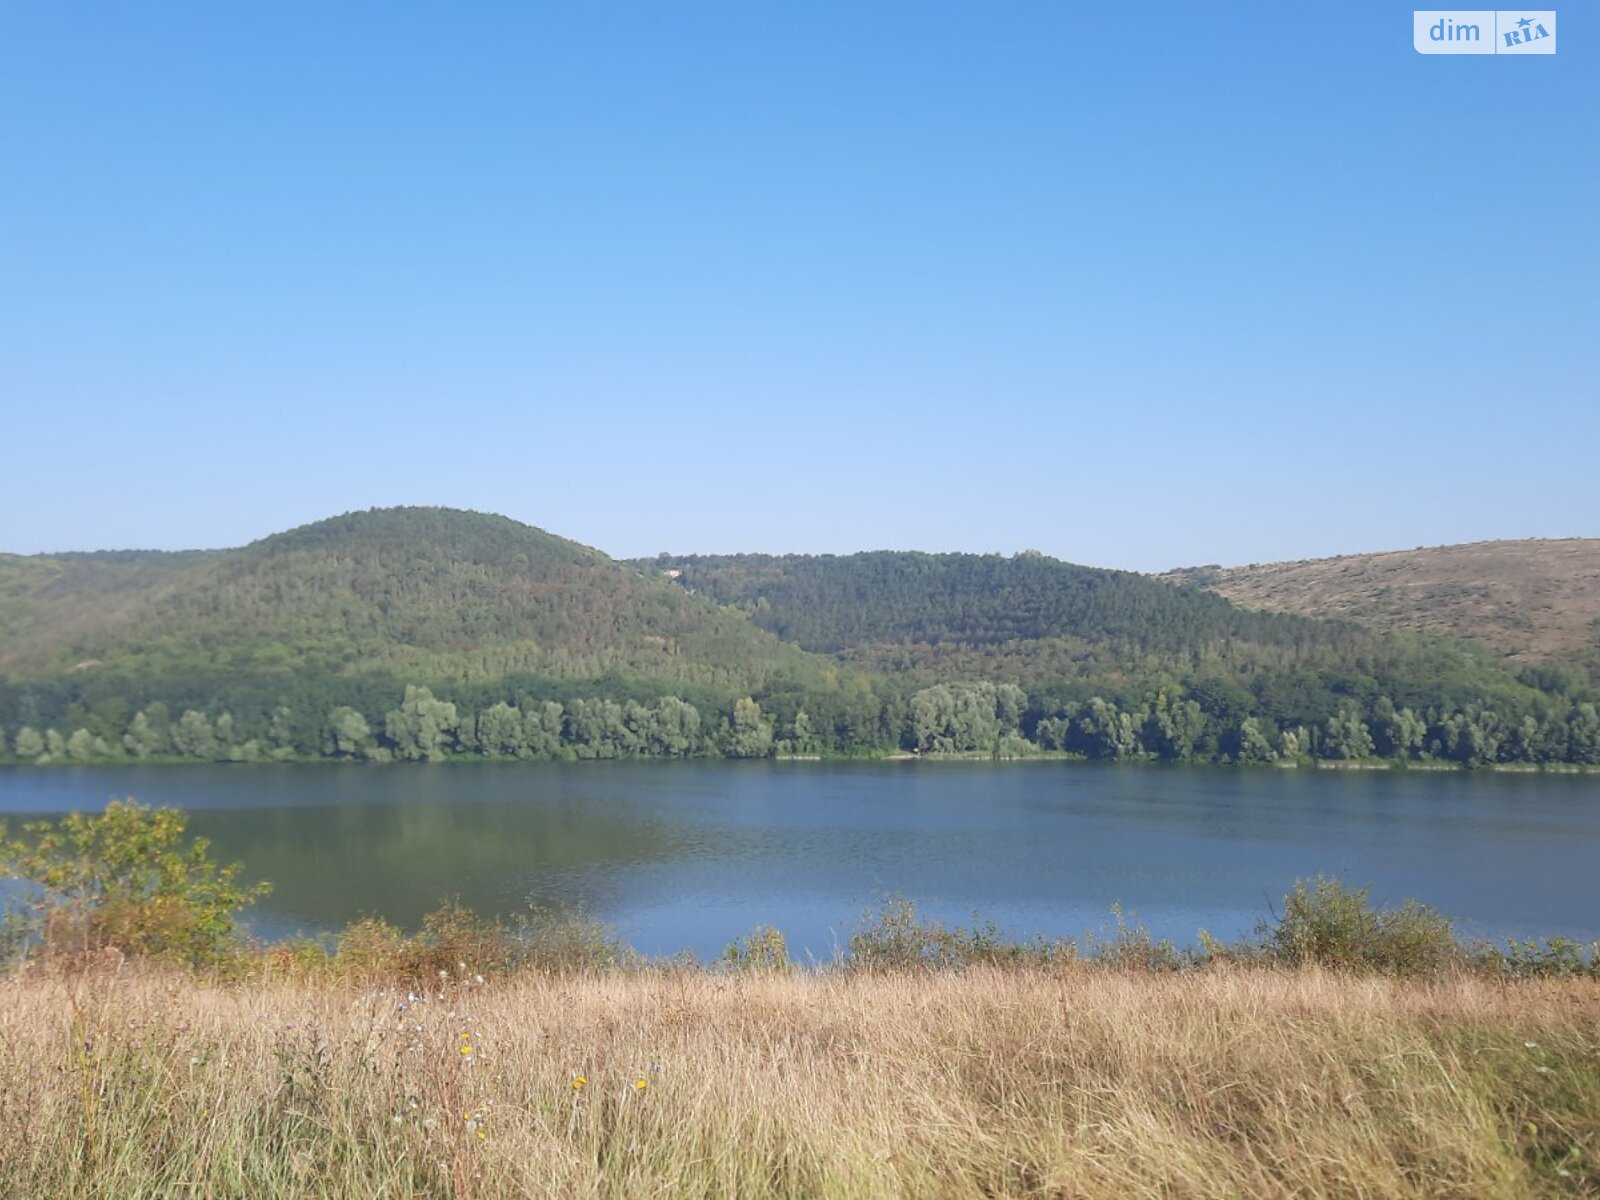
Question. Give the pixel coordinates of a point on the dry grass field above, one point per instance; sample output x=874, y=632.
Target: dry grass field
x=1533, y=600
x=126, y=1081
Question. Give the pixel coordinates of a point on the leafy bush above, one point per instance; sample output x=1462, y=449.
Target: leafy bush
x=1325, y=923
x=455, y=942
x=292, y=958
x=894, y=938
x=369, y=950
x=762, y=949
x=1134, y=947
x=129, y=879
x=454, y=938
x=564, y=939
x=15, y=938
x=1543, y=959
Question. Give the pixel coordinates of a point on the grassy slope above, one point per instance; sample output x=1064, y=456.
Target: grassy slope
x=1532, y=600
x=429, y=592
x=1088, y=1083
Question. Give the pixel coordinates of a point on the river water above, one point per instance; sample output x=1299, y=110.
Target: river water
x=690, y=855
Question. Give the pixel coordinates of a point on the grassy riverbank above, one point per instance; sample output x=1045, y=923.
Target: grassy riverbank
x=1085, y=1081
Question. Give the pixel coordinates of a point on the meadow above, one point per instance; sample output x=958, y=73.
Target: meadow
x=120, y=1079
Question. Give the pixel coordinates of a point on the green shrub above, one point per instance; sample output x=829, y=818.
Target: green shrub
x=453, y=943
x=762, y=949
x=986, y=945
x=369, y=950
x=1134, y=947
x=564, y=939
x=455, y=939
x=1325, y=923
x=127, y=878
x=292, y=958
x=894, y=938
x=1541, y=959
x=15, y=938
x=457, y=944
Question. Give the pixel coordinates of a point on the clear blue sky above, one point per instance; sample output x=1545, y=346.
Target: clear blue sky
x=1136, y=285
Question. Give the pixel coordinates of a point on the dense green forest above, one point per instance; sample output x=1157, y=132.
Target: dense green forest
x=420, y=592
x=430, y=634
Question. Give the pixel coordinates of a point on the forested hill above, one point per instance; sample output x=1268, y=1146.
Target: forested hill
x=427, y=633
x=832, y=603
x=1118, y=665
x=420, y=592
x=1047, y=624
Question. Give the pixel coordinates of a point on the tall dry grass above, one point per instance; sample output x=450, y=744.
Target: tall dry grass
x=125, y=1082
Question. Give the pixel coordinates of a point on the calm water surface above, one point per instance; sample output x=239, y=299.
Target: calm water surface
x=678, y=856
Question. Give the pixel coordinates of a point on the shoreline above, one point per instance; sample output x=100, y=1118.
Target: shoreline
x=897, y=756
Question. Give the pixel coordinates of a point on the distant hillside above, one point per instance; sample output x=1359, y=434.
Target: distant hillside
x=419, y=592
x=430, y=633
x=1533, y=600
x=1038, y=621
x=834, y=604
x=52, y=602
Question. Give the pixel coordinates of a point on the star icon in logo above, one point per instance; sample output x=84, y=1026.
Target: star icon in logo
x=1525, y=22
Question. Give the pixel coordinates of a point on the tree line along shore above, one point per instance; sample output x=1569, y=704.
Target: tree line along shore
x=952, y=719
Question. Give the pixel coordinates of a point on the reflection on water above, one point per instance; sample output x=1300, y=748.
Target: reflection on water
x=692, y=855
